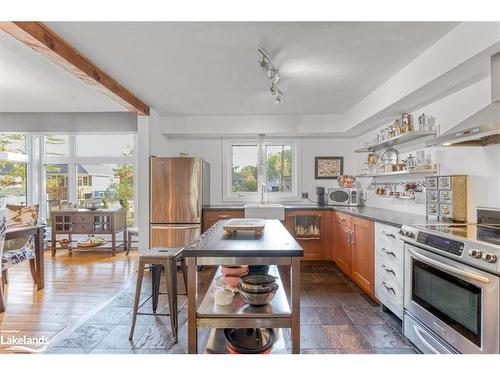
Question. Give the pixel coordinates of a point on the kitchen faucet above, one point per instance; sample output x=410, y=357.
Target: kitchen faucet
x=262, y=188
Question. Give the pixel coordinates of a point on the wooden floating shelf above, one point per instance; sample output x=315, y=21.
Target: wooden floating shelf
x=406, y=137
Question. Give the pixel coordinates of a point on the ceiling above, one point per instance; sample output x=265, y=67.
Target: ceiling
x=210, y=68
x=31, y=83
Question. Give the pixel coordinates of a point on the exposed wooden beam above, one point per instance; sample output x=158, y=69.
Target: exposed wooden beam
x=43, y=40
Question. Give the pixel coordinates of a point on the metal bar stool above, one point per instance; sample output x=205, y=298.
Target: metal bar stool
x=155, y=258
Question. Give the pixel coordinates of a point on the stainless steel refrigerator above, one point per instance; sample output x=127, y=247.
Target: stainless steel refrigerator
x=180, y=187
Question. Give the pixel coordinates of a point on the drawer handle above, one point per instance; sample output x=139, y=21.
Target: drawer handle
x=225, y=216
x=389, y=235
x=341, y=218
x=388, y=288
x=388, y=270
x=384, y=250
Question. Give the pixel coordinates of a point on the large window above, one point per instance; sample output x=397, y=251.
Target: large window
x=13, y=169
x=81, y=168
x=260, y=169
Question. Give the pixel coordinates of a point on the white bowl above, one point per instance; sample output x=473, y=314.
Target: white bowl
x=223, y=297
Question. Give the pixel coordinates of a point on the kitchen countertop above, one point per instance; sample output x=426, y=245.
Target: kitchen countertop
x=275, y=241
x=382, y=215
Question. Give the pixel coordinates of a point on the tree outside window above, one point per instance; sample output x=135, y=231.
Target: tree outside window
x=13, y=174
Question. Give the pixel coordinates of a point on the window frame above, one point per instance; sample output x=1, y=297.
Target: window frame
x=73, y=159
x=229, y=196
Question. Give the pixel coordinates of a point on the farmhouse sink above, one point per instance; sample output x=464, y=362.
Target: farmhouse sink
x=265, y=211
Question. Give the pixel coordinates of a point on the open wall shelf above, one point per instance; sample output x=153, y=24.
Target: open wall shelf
x=406, y=137
x=413, y=172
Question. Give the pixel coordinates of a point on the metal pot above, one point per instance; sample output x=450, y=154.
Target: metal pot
x=249, y=340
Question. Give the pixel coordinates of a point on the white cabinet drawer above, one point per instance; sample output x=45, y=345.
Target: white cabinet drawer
x=389, y=253
x=389, y=270
x=390, y=294
x=387, y=233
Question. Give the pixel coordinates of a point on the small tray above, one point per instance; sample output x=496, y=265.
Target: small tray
x=86, y=243
x=244, y=225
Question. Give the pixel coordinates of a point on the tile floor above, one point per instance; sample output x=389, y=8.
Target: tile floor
x=336, y=318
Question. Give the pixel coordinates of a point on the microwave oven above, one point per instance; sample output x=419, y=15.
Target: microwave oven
x=344, y=197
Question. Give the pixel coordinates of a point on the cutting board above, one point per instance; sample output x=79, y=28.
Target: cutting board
x=247, y=225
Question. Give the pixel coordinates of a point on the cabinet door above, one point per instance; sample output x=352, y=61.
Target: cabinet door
x=362, y=254
x=342, y=246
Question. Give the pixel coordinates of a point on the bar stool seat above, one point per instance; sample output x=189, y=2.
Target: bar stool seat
x=155, y=259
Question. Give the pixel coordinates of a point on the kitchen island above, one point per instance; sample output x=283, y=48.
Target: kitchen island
x=214, y=247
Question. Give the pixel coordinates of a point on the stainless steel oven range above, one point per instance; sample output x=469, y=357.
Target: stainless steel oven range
x=452, y=286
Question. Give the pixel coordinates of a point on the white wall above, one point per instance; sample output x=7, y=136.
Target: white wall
x=481, y=164
x=211, y=150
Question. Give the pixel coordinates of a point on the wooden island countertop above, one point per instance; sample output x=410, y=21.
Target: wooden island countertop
x=275, y=241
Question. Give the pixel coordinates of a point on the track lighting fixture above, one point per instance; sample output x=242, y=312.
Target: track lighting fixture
x=272, y=74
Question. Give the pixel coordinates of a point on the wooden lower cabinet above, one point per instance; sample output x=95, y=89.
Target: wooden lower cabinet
x=353, y=249
x=210, y=217
x=311, y=230
x=342, y=247
x=362, y=254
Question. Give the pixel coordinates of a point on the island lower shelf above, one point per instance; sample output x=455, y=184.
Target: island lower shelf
x=239, y=314
x=217, y=343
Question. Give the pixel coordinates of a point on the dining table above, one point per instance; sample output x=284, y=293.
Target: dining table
x=38, y=232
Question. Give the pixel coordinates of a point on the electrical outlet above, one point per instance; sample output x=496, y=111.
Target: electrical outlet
x=305, y=195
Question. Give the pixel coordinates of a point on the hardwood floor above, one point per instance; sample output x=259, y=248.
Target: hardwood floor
x=75, y=289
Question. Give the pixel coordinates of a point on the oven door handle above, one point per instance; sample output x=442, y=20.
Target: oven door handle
x=451, y=269
x=424, y=341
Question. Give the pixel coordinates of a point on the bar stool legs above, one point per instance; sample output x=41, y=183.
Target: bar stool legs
x=155, y=284
x=170, y=265
x=138, y=287
x=171, y=274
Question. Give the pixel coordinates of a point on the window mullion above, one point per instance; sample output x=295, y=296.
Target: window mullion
x=72, y=170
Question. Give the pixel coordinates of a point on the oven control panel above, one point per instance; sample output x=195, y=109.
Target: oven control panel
x=441, y=243
x=470, y=252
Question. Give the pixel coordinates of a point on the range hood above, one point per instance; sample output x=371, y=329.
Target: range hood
x=483, y=127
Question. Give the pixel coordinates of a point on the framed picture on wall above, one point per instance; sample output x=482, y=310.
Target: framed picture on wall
x=328, y=167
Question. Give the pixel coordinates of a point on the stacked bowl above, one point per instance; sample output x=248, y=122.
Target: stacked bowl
x=258, y=290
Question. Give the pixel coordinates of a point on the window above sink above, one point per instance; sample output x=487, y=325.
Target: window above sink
x=261, y=168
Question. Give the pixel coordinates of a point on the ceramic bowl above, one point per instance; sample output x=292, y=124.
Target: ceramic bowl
x=223, y=297
x=234, y=270
x=257, y=283
x=232, y=280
